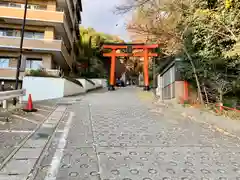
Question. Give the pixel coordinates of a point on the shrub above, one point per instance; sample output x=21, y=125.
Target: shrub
x=38, y=73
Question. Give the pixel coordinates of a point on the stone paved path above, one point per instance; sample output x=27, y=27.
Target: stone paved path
x=20, y=125
x=116, y=136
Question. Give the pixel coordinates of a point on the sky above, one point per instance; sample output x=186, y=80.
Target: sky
x=99, y=14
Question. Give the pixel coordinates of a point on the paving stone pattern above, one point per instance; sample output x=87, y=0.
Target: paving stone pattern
x=20, y=166
x=12, y=133
x=115, y=136
x=8, y=141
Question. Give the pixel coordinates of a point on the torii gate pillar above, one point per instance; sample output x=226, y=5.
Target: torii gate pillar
x=145, y=71
x=112, y=71
x=113, y=54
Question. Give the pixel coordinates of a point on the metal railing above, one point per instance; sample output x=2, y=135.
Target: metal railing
x=8, y=95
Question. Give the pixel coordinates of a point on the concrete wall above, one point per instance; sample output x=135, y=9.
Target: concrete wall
x=98, y=83
x=43, y=88
x=71, y=89
x=86, y=85
x=101, y=82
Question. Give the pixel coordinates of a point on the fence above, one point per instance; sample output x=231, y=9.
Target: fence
x=8, y=95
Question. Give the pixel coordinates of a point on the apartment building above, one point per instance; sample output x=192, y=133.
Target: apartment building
x=51, y=33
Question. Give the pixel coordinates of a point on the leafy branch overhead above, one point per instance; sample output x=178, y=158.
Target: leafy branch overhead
x=91, y=41
x=90, y=47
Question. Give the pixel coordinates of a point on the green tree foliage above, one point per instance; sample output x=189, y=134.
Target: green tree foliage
x=204, y=32
x=211, y=40
x=91, y=51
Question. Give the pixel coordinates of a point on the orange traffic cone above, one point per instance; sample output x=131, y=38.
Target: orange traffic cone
x=29, y=106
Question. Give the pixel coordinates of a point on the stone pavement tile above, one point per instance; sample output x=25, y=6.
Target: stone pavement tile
x=28, y=153
x=44, y=107
x=8, y=141
x=21, y=167
x=13, y=177
x=18, y=124
x=76, y=164
x=46, y=104
x=169, y=163
x=48, y=155
x=45, y=164
x=20, y=120
x=44, y=131
x=134, y=128
x=79, y=164
x=133, y=143
x=59, y=109
x=38, y=116
x=80, y=140
x=25, y=158
x=80, y=134
x=35, y=143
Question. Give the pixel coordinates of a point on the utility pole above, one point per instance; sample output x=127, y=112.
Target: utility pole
x=21, y=51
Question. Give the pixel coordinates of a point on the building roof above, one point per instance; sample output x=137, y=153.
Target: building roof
x=165, y=62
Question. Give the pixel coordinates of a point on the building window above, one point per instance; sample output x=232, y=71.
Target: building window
x=19, y=5
x=4, y=62
x=4, y=3
x=34, y=35
x=33, y=63
x=17, y=33
x=15, y=5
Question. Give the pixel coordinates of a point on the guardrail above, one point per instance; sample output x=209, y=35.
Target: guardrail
x=7, y=95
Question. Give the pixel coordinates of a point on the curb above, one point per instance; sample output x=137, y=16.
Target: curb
x=212, y=126
x=216, y=128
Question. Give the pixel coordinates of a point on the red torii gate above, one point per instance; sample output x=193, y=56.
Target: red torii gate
x=113, y=54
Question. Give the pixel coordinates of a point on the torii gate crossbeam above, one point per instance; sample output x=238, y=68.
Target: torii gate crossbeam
x=113, y=54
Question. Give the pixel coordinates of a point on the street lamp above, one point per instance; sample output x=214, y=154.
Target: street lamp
x=20, y=49
x=21, y=45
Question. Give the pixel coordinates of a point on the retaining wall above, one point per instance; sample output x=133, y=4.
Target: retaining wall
x=44, y=88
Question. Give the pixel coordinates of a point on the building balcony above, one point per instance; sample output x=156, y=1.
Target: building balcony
x=54, y=47
x=9, y=74
x=13, y=15
x=32, y=15
x=68, y=6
